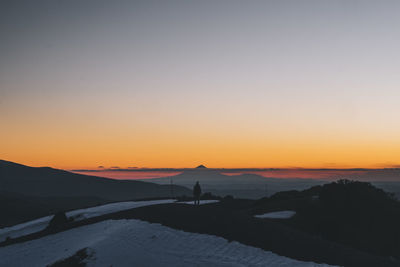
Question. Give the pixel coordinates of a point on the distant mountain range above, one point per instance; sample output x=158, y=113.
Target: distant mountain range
x=253, y=186
x=239, y=185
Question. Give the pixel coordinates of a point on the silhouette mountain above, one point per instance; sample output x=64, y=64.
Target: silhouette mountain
x=201, y=167
x=49, y=182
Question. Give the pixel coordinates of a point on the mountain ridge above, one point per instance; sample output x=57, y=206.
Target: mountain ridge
x=47, y=182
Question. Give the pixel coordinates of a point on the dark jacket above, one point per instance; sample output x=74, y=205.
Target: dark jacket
x=197, y=190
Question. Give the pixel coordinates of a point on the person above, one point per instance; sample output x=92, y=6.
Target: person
x=197, y=193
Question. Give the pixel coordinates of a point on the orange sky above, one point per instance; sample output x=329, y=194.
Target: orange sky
x=266, y=84
x=112, y=130
x=72, y=149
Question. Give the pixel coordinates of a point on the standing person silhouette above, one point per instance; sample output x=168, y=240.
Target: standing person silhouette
x=197, y=193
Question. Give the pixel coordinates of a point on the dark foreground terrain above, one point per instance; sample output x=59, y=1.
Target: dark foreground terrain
x=233, y=221
x=343, y=223
x=27, y=193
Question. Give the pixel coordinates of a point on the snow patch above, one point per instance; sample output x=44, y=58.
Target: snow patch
x=138, y=243
x=286, y=214
x=41, y=223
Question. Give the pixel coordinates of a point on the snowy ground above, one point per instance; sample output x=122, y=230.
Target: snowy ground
x=41, y=223
x=286, y=214
x=138, y=243
x=202, y=202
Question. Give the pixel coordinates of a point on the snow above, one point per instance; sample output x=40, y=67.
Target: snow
x=138, y=243
x=286, y=214
x=41, y=223
x=202, y=202
x=114, y=207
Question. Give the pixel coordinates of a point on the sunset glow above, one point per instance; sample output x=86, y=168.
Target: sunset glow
x=152, y=85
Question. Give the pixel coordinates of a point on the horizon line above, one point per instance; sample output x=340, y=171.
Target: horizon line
x=137, y=169
x=167, y=169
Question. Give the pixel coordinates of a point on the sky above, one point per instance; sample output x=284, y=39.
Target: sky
x=228, y=84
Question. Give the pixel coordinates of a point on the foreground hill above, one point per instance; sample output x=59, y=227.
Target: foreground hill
x=349, y=212
x=105, y=242
x=137, y=243
x=118, y=239
x=343, y=223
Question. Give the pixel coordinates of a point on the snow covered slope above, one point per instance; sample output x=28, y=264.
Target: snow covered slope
x=41, y=223
x=138, y=243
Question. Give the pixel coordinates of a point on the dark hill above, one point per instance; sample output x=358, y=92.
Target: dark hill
x=28, y=193
x=349, y=212
x=49, y=182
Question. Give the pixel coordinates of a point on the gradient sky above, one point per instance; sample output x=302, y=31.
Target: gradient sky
x=183, y=83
